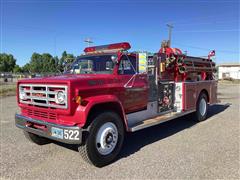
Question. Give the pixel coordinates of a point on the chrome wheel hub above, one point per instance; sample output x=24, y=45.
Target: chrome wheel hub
x=106, y=139
x=203, y=107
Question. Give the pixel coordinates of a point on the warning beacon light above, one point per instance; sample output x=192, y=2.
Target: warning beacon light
x=108, y=48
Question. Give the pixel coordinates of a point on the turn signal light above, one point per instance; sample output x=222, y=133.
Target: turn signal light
x=78, y=99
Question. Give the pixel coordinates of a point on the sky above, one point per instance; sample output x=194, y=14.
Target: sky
x=48, y=26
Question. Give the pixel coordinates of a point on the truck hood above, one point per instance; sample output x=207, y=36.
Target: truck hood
x=68, y=78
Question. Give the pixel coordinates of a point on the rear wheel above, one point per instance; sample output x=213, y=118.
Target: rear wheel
x=202, y=108
x=35, y=138
x=105, y=139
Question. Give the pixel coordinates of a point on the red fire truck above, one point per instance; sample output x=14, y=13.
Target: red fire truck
x=109, y=91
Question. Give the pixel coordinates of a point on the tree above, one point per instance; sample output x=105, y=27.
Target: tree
x=42, y=63
x=35, y=63
x=26, y=68
x=7, y=62
x=17, y=69
x=49, y=64
x=65, y=59
x=45, y=63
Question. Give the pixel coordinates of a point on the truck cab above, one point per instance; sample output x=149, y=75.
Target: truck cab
x=109, y=91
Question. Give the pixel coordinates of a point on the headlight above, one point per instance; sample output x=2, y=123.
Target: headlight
x=60, y=98
x=22, y=95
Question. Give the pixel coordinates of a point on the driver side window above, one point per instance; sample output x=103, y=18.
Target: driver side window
x=127, y=65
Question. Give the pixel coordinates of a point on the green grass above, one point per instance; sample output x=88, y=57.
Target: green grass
x=7, y=89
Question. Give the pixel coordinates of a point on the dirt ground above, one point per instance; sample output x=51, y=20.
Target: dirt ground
x=178, y=149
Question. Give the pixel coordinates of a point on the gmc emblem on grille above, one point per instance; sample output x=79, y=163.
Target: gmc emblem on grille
x=39, y=95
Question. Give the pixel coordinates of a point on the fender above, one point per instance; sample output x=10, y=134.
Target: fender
x=94, y=100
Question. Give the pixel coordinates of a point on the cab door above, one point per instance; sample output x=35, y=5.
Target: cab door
x=135, y=86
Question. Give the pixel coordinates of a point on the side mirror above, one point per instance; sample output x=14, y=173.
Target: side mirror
x=114, y=59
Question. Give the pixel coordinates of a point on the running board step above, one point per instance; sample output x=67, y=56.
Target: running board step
x=157, y=120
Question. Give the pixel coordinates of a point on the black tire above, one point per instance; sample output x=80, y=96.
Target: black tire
x=89, y=151
x=35, y=138
x=201, y=115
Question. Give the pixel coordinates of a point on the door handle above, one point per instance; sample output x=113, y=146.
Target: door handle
x=142, y=77
x=128, y=87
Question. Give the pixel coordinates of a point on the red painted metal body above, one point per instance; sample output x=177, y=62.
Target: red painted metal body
x=105, y=88
x=129, y=92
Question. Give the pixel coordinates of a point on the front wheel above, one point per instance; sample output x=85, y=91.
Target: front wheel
x=105, y=139
x=202, y=108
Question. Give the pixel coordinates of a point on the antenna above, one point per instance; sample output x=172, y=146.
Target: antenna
x=88, y=41
x=170, y=26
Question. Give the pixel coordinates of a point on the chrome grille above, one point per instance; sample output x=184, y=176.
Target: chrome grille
x=43, y=95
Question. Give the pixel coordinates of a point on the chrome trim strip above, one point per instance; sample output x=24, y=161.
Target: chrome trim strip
x=19, y=116
x=43, y=92
x=143, y=126
x=206, y=81
x=44, y=105
x=20, y=122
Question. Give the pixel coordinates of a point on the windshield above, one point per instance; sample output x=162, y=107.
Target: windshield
x=92, y=65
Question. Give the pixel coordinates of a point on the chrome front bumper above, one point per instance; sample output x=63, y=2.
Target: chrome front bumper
x=45, y=129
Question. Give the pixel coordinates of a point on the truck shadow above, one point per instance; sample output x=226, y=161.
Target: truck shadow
x=135, y=141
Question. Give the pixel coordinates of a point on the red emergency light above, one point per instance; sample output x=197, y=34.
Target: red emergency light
x=109, y=47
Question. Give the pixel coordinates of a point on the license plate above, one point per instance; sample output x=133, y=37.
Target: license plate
x=57, y=132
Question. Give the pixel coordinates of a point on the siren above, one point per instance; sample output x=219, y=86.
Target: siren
x=108, y=48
